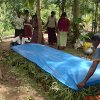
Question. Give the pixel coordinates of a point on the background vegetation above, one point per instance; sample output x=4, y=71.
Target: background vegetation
x=81, y=13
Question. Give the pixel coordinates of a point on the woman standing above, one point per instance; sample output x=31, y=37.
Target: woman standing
x=27, y=25
x=35, y=30
x=51, y=28
x=63, y=28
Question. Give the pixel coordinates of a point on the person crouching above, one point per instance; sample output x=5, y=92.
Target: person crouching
x=20, y=40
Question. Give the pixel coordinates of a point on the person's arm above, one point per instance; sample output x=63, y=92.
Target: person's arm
x=58, y=25
x=89, y=74
x=68, y=21
x=55, y=22
x=91, y=70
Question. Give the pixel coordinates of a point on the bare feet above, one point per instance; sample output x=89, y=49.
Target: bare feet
x=81, y=85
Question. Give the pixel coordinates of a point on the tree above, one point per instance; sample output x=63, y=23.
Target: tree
x=39, y=21
x=75, y=19
x=79, y=9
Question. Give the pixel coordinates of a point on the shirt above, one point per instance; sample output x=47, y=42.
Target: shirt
x=51, y=22
x=63, y=24
x=18, y=22
x=97, y=53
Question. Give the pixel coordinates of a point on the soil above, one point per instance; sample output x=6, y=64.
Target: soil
x=10, y=84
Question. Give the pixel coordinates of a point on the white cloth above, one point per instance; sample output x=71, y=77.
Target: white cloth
x=21, y=41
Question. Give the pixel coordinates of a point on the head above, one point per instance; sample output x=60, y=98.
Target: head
x=95, y=39
x=18, y=13
x=63, y=14
x=26, y=12
x=53, y=13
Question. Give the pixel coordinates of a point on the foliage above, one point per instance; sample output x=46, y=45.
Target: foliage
x=87, y=12
x=54, y=89
x=84, y=37
x=45, y=12
x=5, y=23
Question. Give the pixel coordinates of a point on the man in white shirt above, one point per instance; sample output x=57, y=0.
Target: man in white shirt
x=18, y=23
x=51, y=28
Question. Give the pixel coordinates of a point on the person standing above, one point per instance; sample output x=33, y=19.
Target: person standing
x=18, y=24
x=51, y=29
x=27, y=25
x=63, y=28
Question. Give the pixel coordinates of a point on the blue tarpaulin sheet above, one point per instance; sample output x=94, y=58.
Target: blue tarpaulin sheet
x=65, y=67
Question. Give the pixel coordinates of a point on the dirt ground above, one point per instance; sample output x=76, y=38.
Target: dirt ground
x=10, y=85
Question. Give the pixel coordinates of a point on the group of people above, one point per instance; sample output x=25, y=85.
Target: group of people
x=26, y=28
x=61, y=28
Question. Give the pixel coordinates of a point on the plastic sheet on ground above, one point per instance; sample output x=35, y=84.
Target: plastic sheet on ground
x=65, y=67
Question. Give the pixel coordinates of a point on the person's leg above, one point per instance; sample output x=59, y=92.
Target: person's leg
x=48, y=31
x=89, y=74
x=54, y=37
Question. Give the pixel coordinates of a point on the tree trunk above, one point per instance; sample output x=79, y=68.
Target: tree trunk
x=96, y=16
x=75, y=16
x=39, y=22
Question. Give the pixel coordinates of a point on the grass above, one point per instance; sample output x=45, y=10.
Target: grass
x=42, y=81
